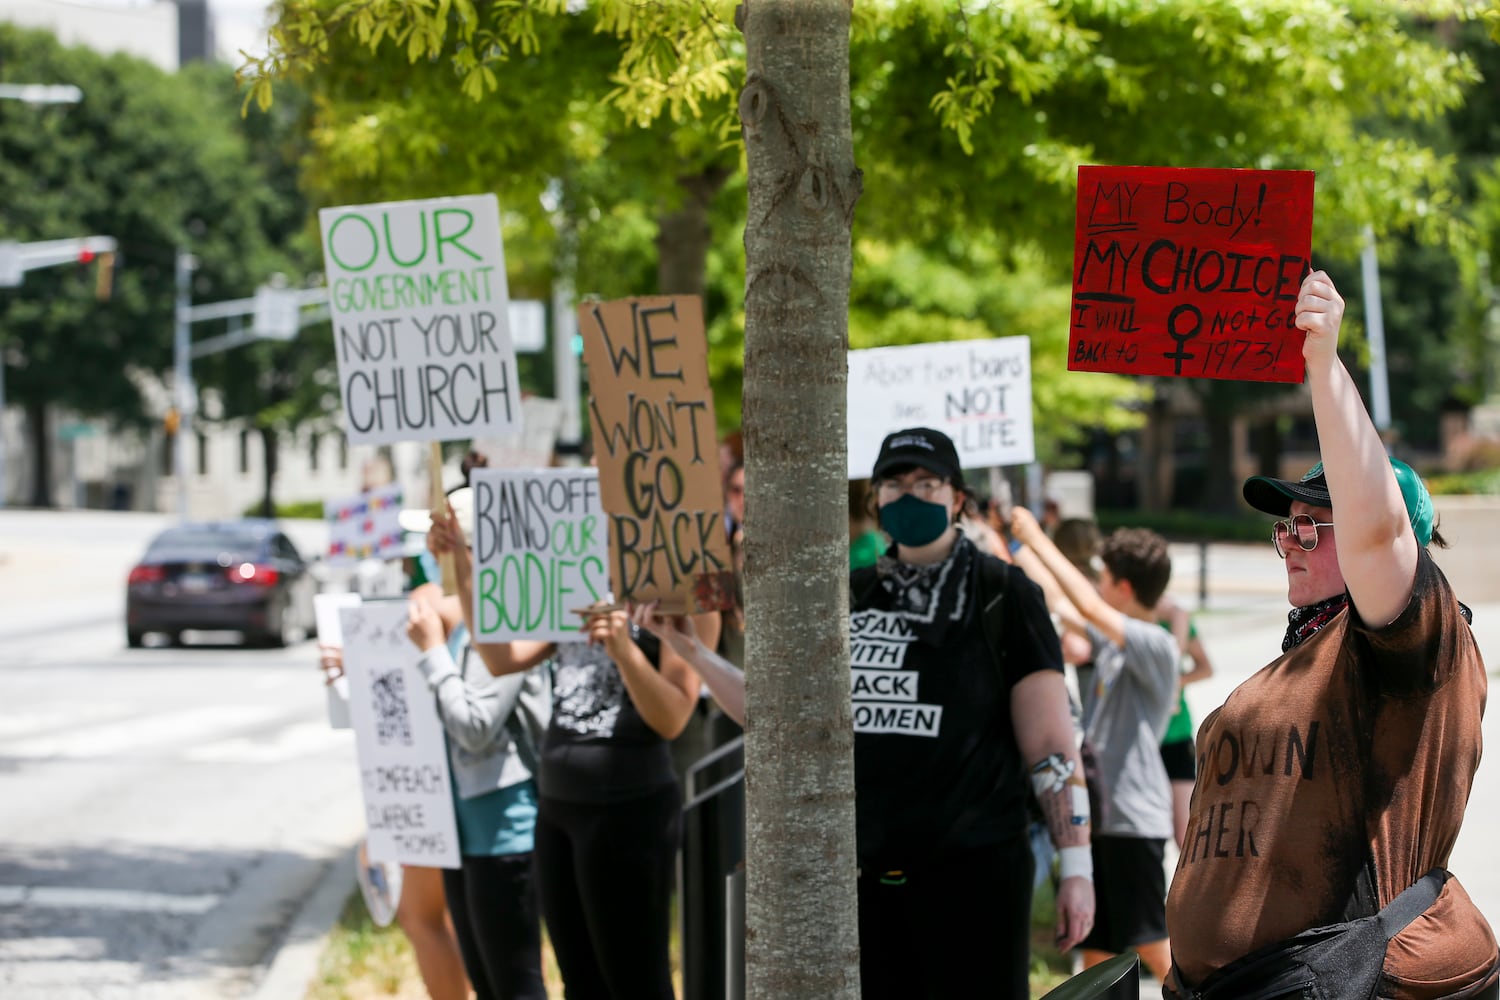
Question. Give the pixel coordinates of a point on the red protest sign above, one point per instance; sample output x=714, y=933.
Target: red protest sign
x=1190, y=272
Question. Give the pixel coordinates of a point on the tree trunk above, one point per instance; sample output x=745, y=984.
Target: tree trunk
x=268, y=447
x=1156, y=473
x=683, y=235
x=1220, y=489
x=41, y=454
x=801, y=921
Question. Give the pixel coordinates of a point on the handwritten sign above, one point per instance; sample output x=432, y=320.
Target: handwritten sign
x=420, y=324
x=365, y=526
x=1190, y=272
x=539, y=552
x=978, y=392
x=398, y=738
x=652, y=415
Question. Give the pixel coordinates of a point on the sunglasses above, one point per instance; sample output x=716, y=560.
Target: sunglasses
x=1302, y=527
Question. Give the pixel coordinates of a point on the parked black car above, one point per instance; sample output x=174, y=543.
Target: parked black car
x=245, y=576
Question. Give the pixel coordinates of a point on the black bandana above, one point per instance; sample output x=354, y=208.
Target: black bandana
x=1302, y=623
x=930, y=597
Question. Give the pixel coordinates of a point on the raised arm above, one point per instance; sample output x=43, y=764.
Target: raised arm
x=664, y=695
x=725, y=681
x=473, y=716
x=500, y=658
x=1031, y=564
x=1376, y=547
x=1076, y=587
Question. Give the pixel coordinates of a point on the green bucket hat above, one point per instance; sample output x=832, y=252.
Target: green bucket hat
x=1275, y=496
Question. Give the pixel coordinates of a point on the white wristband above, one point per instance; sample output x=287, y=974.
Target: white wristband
x=1075, y=861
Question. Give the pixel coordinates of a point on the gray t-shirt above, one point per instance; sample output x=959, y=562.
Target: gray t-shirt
x=1125, y=715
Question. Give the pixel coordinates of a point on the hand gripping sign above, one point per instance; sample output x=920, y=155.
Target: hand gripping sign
x=652, y=414
x=539, y=553
x=1190, y=272
x=420, y=321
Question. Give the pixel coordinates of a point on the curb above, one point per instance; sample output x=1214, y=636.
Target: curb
x=295, y=960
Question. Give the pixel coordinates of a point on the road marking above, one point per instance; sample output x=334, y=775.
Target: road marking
x=186, y=726
x=302, y=739
x=77, y=898
x=72, y=717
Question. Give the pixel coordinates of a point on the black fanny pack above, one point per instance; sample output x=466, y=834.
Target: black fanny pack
x=1337, y=962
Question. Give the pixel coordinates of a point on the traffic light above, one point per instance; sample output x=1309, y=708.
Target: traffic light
x=104, y=280
x=104, y=277
x=171, y=421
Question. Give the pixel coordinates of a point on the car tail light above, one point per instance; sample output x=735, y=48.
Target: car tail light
x=146, y=574
x=260, y=576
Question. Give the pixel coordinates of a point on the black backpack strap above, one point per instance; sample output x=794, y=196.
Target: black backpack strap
x=1413, y=901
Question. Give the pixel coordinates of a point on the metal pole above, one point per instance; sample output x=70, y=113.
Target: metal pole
x=182, y=375
x=565, y=366
x=4, y=483
x=1380, y=393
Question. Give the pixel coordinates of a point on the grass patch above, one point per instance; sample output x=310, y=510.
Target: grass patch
x=1190, y=525
x=365, y=962
x=362, y=961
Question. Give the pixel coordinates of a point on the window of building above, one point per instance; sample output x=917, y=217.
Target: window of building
x=244, y=453
x=314, y=443
x=202, y=453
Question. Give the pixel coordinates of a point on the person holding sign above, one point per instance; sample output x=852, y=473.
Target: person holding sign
x=959, y=701
x=609, y=808
x=492, y=727
x=1333, y=782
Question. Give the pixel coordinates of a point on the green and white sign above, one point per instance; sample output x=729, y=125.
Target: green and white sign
x=420, y=319
x=540, y=552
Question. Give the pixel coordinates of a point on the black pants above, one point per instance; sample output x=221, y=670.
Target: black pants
x=958, y=927
x=494, y=907
x=605, y=873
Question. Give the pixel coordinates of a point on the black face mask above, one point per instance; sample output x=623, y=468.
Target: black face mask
x=913, y=522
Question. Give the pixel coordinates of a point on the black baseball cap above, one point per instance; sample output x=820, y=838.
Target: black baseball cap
x=921, y=446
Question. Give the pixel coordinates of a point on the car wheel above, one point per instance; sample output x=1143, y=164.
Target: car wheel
x=277, y=633
x=134, y=638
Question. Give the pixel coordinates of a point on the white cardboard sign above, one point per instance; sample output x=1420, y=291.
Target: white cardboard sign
x=978, y=392
x=403, y=761
x=366, y=526
x=421, y=322
x=541, y=551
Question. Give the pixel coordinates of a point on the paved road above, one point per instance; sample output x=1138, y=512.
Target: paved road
x=166, y=811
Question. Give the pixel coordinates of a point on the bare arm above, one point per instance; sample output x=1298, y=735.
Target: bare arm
x=664, y=695
x=1057, y=602
x=1075, y=586
x=725, y=681
x=500, y=658
x=1044, y=733
x=1377, y=550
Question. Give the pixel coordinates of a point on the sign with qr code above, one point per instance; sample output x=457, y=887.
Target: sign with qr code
x=403, y=760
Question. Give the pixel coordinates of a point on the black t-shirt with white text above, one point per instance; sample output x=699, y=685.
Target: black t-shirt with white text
x=935, y=758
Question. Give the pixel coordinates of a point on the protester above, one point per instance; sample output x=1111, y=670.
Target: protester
x=422, y=911
x=865, y=540
x=1333, y=782
x=1178, y=755
x=941, y=779
x=493, y=727
x=1125, y=714
x=608, y=816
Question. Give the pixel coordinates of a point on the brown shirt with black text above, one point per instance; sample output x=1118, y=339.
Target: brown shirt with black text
x=1352, y=752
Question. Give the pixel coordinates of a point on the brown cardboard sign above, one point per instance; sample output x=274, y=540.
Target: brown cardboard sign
x=652, y=414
